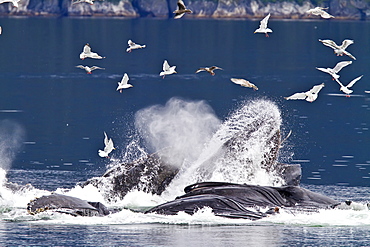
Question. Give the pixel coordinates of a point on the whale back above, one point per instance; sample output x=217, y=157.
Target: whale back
x=66, y=204
x=243, y=200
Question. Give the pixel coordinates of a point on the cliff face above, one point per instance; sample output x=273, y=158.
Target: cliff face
x=346, y=9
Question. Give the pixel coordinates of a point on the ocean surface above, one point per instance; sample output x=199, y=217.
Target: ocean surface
x=53, y=117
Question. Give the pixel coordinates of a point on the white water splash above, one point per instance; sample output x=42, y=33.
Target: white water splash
x=188, y=135
x=250, y=132
x=236, y=170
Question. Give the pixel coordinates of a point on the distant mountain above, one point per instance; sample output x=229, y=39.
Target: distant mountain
x=341, y=9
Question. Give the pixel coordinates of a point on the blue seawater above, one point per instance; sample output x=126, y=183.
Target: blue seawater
x=53, y=115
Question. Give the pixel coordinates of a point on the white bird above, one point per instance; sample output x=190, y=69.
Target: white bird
x=244, y=83
x=123, y=84
x=345, y=89
x=109, y=147
x=181, y=10
x=333, y=72
x=367, y=91
x=88, y=69
x=208, y=69
x=309, y=96
x=319, y=11
x=88, y=53
x=133, y=46
x=91, y=2
x=167, y=70
x=14, y=2
x=339, y=50
x=263, y=26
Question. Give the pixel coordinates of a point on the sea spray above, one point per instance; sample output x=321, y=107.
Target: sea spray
x=179, y=130
x=184, y=142
x=11, y=140
x=165, y=139
x=243, y=150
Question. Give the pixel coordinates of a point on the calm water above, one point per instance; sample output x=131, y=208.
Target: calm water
x=61, y=113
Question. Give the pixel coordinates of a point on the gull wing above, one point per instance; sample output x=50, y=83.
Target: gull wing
x=238, y=81
x=87, y=49
x=125, y=79
x=215, y=67
x=354, y=81
x=95, y=67
x=263, y=23
x=349, y=54
x=337, y=80
x=341, y=65
x=73, y=2
x=181, y=5
x=316, y=89
x=329, y=43
x=130, y=43
x=346, y=43
x=178, y=16
x=166, y=66
x=323, y=70
x=200, y=70
x=80, y=66
x=325, y=14
x=109, y=148
x=105, y=139
x=244, y=83
x=297, y=96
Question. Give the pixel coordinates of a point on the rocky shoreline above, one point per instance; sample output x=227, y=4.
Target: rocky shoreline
x=341, y=9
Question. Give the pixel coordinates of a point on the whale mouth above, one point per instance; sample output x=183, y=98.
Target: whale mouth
x=189, y=144
x=238, y=151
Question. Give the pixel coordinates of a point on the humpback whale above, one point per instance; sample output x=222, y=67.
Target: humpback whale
x=246, y=143
x=244, y=201
x=68, y=205
x=228, y=200
x=117, y=181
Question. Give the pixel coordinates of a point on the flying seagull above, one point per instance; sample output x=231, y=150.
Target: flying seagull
x=167, y=70
x=123, y=84
x=345, y=89
x=208, y=69
x=244, y=83
x=181, y=10
x=88, y=53
x=263, y=26
x=319, y=11
x=333, y=71
x=91, y=2
x=109, y=147
x=339, y=50
x=88, y=69
x=14, y=2
x=133, y=46
x=309, y=96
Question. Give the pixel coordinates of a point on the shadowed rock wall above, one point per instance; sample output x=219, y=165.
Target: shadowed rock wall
x=342, y=9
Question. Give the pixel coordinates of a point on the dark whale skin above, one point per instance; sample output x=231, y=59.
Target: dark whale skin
x=243, y=201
